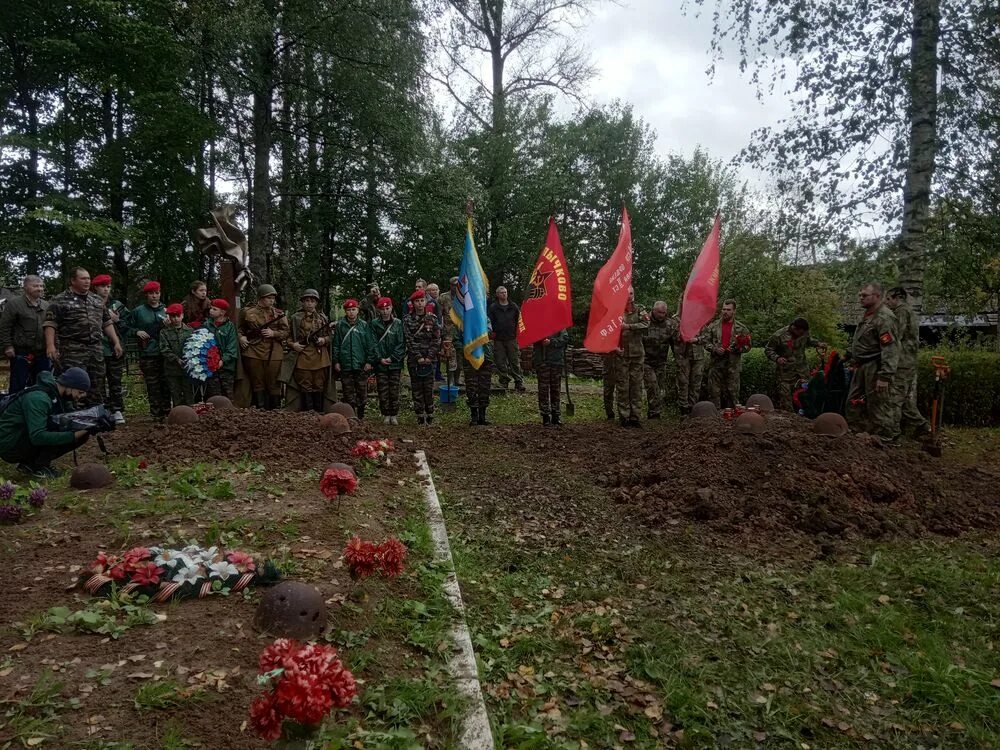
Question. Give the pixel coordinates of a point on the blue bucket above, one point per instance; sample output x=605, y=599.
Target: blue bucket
x=448, y=393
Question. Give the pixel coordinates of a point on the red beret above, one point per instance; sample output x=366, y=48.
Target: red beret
x=220, y=303
x=102, y=280
x=419, y=294
x=350, y=303
x=151, y=286
x=175, y=309
x=384, y=302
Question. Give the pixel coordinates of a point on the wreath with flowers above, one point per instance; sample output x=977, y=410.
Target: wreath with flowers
x=163, y=573
x=373, y=450
x=202, y=356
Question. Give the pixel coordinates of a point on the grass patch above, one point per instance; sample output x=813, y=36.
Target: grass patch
x=165, y=694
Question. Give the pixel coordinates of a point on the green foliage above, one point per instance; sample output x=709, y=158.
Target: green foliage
x=165, y=694
x=111, y=617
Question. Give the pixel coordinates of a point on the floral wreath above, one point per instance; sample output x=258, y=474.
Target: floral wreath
x=202, y=357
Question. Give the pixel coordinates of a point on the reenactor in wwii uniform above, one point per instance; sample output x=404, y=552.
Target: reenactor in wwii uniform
x=690, y=359
x=656, y=343
x=548, y=357
x=22, y=337
x=145, y=323
x=727, y=341
x=353, y=356
x=390, y=352
x=787, y=349
x=874, y=357
x=904, y=384
x=263, y=330
x=173, y=337
x=477, y=381
x=306, y=369
x=423, y=342
x=114, y=367
x=73, y=326
x=630, y=352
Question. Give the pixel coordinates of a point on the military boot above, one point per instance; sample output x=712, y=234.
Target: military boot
x=260, y=399
x=361, y=412
x=546, y=420
x=556, y=422
x=474, y=418
x=318, y=402
x=482, y=417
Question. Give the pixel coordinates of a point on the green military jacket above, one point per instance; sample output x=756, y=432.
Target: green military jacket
x=227, y=339
x=150, y=320
x=875, y=341
x=552, y=353
x=353, y=346
x=734, y=354
x=26, y=419
x=390, y=343
x=172, y=340
x=631, y=341
x=693, y=350
x=79, y=320
x=781, y=344
x=117, y=307
x=908, y=332
x=21, y=325
x=657, y=340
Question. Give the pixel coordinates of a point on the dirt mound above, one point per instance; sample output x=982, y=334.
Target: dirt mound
x=789, y=479
x=265, y=436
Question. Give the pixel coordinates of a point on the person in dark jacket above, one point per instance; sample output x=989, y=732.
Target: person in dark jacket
x=504, y=316
x=26, y=436
x=353, y=356
x=21, y=336
x=548, y=357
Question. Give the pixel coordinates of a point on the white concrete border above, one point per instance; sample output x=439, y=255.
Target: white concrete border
x=475, y=732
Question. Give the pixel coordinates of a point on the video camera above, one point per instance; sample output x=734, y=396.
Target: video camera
x=94, y=420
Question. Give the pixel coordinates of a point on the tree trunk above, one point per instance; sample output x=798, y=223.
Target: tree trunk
x=113, y=124
x=371, y=213
x=263, y=120
x=922, y=148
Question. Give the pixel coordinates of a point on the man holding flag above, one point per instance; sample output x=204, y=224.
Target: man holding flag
x=469, y=314
x=701, y=295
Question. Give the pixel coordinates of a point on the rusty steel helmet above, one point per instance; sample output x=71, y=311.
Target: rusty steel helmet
x=292, y=609
x=182, y=415
x=343, y=408
x=220, y=403
x=338, y=424
x=761, y=402
x=704, y=409
x=91, y=477
x=750, y=422
x=830, y=423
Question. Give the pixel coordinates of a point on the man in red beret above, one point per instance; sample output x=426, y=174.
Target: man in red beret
x=114, y=367
x=353, y=356
x=390, y=351
x=226, y=338
x=173, y=337
x=145, y=323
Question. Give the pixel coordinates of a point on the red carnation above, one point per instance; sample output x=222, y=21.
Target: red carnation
x=147, y=574
x=274, y=656
x=102, y=562
x=264, y=717
x=144, y=464
x=213, y=360
x=361, y=558
x=117, y=572
x=391, y=554
x=336, y=482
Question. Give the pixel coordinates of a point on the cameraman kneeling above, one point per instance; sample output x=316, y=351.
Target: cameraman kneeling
x=27, y=437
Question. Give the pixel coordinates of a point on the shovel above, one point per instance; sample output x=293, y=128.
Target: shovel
x=941, y=373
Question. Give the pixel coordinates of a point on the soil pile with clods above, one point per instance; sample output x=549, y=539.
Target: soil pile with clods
x=267, y=436
x=789, y=479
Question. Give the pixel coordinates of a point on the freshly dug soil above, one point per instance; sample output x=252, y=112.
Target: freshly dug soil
x=235, y=433
x=789, y=479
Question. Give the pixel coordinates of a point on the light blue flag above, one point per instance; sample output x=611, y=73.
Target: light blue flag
x=468, y=312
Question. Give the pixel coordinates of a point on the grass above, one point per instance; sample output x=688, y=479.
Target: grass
x=165, y=694
x=35, y=718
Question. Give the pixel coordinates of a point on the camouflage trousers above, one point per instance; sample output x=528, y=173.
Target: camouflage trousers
x=181, y=389
x=91, y=360
x=655, y=379
x=114, y=370
x=629, y=383
x=507, y=359
x=477, y=384
x=220, y=385
x=787, y=382
x=904, y=402
x=724, y=384
x=355, y=388
x=157, y=390
x=867, y=409
x=549, y=388
x=609, y=377
x=388, y=392
x=689, y=376
x=423, y=394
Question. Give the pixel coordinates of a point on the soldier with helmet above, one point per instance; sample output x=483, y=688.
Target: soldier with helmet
x=306, y=369
x=263, y=330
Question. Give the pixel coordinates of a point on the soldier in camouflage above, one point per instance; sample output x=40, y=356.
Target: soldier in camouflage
x=548, y=357
x=690, y=359
x=390, y=352
x=609, y=363
x=423, y=342
x=787, y=349
x=114, y=367
x=145, y=323
x=173, y=336
x=635, y=321
x=727, y=341
x=904, y=384
x=656, y=343
x=874, y=357
x=73, y=326
x=477, y=381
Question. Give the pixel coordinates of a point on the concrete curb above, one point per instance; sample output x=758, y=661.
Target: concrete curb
x=475, y=732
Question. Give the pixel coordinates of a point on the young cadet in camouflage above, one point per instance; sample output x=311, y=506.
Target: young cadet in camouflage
x=656, y=343
x=173, y=336
x=114, y=367
x=634, y=323
x=478, y=383
x=73, y=326
x=390, y=351
x=787, y=349
x=22, y=337
x=145, y=323
x=690, y=359
x=306, y=369
x=904, y=384
x=353, y=356
x=423, y=342
x=727, y=340
x=874, y=356
x=263, y=329
x=226, y=338
x=548, y=357
x=449, y=354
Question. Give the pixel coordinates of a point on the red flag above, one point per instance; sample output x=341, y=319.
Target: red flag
x=548, y=307
x=611, y=295
x=702, y=292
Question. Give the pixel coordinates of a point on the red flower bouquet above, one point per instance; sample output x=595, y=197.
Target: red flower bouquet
x=361, y=558
x=372, y=449
x=337, y=482
x=391, y=554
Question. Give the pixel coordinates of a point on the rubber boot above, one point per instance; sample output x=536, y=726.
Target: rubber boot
x=482, y=417
x=260, y=399
x=361, y=412
x=474, y=418
x=546, y=420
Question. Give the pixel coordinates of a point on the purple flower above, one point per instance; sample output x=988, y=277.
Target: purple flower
x=37, y=497
x=10, y=513
x=7, y=490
